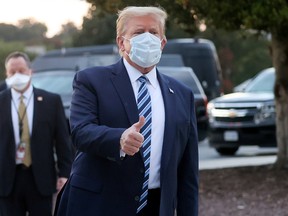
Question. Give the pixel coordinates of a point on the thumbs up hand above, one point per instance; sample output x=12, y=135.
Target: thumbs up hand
x=138, y=125
x=131, y=139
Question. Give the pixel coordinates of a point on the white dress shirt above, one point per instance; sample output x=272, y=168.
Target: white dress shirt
x=29, y=103
x=158, y=119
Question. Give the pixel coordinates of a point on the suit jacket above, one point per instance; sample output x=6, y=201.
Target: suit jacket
x=103, y=184
x=49, y=132
x=3, y=85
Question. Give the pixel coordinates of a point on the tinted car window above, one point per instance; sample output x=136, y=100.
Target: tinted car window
x=172, y=60
x=183, y=76
x=73, y=62
x=262, y=83
x=54, y=81
x=202, y=57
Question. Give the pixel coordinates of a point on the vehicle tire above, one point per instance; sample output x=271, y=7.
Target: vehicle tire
x=227, y=151
x=202, y=135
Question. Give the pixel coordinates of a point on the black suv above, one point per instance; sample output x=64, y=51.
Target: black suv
x=244, y=118
x=201, y=55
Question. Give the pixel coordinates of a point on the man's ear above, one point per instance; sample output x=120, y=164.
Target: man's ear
x=31, y=72
x=163, y=42
x=120, y=43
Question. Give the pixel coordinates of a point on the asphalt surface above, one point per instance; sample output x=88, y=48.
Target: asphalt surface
x=245, y=156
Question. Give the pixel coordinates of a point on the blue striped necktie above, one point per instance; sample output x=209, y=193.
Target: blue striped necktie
x=144, y=108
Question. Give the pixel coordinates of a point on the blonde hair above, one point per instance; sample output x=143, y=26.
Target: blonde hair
x=132, y=11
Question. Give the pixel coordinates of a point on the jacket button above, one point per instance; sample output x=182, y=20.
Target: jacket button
x=136, y=198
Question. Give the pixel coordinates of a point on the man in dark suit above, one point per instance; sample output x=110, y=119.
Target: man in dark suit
x=120, y=144
x=30, y=138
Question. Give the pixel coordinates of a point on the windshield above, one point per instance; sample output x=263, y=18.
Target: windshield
x=185, y=76
x=60, y=83
x=264, y=82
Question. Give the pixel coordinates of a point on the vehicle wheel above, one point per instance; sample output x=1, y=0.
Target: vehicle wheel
x=227, y=151
x=202, y=135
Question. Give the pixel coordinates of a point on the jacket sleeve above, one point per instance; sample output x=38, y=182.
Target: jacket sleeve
x=63, y=144
x=187, y=204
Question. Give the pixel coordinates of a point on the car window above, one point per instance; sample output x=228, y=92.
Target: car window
x=172, y=60
x=202, y=57
x=264, y=82
x=54, y=82
x=183, y=76
x=187, y=79
x=101, y=60
x=73, y=62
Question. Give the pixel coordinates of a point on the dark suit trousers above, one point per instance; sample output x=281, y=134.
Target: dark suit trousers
x=25, y=197
x=153, y=204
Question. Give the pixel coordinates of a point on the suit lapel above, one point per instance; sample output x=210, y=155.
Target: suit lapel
x=121, y=81
x=7, y=118
x=8, y=109
x=36, y=111
x=122, y=84
x=169, y=99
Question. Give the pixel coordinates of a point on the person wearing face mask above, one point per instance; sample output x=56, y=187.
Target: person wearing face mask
x=33, y=130
x=134, y=130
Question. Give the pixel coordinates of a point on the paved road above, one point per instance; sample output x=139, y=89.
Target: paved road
x=245, y=156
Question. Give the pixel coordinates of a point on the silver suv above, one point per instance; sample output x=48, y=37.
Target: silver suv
x=244, y=118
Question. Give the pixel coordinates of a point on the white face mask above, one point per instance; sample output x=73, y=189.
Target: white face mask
x=18, y=81
x=145, y=50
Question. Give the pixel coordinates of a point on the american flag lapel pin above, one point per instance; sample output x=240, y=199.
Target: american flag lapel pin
x=39, y=98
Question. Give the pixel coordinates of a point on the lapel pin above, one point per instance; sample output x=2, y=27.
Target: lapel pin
x=171, y=91
x=40, y=98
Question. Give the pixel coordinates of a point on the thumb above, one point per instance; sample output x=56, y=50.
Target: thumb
x=138, y=125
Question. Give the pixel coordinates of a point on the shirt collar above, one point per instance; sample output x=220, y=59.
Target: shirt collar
x=134, y=74
x=16, y=95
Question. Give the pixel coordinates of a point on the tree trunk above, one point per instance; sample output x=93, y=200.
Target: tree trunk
x=280, y=62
